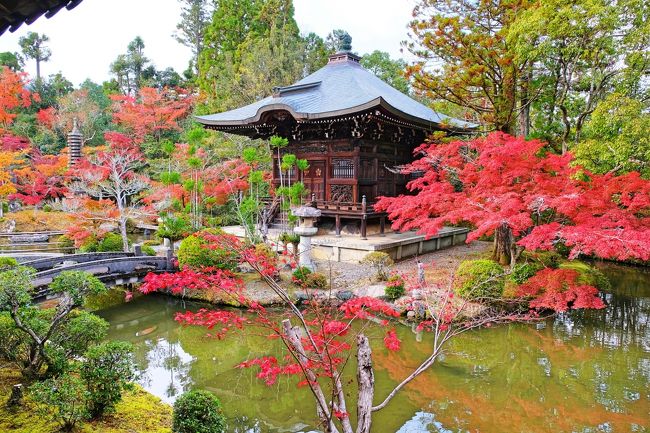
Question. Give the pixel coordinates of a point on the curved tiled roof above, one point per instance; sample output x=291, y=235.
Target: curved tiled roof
x=341, y=87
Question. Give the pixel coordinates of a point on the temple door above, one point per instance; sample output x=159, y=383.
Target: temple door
x=315, y=179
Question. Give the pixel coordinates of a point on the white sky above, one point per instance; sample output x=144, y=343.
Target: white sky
x=85, y=40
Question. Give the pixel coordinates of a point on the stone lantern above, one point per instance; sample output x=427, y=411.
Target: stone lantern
x=306, y=230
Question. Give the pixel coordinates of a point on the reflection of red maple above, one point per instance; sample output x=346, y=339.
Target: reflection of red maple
x=325, y=338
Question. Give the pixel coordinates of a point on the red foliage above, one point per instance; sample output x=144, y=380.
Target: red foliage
x=14, y=143
x=152, y=112
x=559, y=290
x=543, y=198
x=13, y=94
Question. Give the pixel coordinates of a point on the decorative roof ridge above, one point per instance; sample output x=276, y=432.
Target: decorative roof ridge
x=343, y=56
x=281, y=91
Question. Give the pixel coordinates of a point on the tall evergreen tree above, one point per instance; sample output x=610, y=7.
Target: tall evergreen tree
x=33, y=46
x=190, y=31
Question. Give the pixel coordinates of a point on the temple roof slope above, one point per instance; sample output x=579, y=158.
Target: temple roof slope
x=13, y=13
x=340, y=88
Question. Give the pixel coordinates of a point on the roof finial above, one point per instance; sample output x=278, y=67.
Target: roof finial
x=75, y=126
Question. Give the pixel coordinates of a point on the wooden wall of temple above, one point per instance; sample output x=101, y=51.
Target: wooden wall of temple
x=344, y=170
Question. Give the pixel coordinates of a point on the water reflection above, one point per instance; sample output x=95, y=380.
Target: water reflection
x=577, y=373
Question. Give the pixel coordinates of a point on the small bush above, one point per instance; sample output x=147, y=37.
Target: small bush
x=152, y=242
x=300, y=274
x=380, y=262
x=148, y=250
x=62, y=398
x=524, y=271
x=316, y=280
x=110, y=242
x=47, y=208
x=65, y=241
x=108, y=369
x=7, y=263
x=548, y=259
x=195, y=252
x=478, y=279
x=198, y=412
x=588, y=274
x=395, y=287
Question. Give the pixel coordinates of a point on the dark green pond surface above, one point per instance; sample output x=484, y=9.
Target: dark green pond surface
x=582, y=372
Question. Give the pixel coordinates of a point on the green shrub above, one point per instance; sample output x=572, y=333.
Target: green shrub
x=65, y=241
x=588, y=274
x=548, y=259
x=148, y=250
x=110, y=242
x=108, y=369
x=198, y=412
x=300, y=274
x=7, y=263
x=47, y=208
x=479, y=279
x=395, y=287
x=315, y=280
x=89, y=245
x=152, y=242
x=524, y=271
x=5, y=207
x=62, y=398
x=380, y=262
x=194, y=252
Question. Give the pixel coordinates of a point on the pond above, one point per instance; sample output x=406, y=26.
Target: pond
x=582, y=372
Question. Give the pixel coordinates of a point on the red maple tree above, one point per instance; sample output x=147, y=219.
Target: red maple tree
x=321, y=337
x=526, y=197
x=151, y=112
x=13, y=95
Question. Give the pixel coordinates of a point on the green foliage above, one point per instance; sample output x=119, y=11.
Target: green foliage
x=300, y=274
x=194, y=252
x=110, y=242
x=65, y=241
x=198, y=411
x=62, y=398
x=80, y=331
x=588, y=275
x=147, y=250
x=315, y=280
x=616, y=137
x=77, y=285
x=389, y=70
x=7, y=263
x=171, y=178
x=548, y=259
x=174, y=228
x=107, y=370
x=15, y=287
x=395, y=287
x=380, y=262
x=47, y=208
x=523, y=271
x=479, y=280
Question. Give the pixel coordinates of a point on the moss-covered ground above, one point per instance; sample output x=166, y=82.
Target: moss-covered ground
x=138, y=412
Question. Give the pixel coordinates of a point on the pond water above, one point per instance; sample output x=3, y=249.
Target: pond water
x=582, y=372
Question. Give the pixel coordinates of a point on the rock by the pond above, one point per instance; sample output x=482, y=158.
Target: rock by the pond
x=344, y=295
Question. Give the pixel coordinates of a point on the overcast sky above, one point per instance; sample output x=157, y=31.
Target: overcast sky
x=87, y=39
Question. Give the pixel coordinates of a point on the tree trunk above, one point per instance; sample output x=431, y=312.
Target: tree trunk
x=366, y=383
x=503, y=244
x=125, y=239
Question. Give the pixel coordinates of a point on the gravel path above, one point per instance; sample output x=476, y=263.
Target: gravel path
x=439, y=265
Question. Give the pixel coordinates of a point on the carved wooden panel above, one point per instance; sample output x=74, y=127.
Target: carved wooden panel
x=341, y=193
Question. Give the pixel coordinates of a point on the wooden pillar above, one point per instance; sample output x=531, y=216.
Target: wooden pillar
x=364, y=219
x=382, y=225
x=338, y=225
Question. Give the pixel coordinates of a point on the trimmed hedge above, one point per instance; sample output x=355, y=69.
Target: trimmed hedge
x=198, y=412
x=194, y=252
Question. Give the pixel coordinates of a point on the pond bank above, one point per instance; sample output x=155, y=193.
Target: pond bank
x=139, y=411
